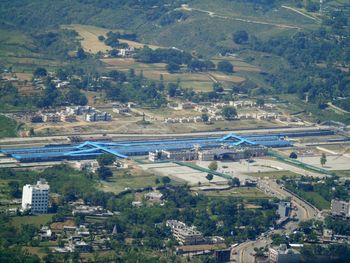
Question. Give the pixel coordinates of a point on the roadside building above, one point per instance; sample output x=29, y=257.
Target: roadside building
x=340, y=208
x=94, y=117
x=282, y=254
x=184, y=234
x=36, y=197
x=154, y=196
x=51, y=117
x=284, y=209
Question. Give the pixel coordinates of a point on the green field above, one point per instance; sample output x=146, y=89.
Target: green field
x=342, y=173
x=36, y=220
x=8, y=127
x=122, y=181
x=274, y=174
x=240, y=192
x=317, y=200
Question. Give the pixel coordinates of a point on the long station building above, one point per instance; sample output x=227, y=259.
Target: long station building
x=125, y=149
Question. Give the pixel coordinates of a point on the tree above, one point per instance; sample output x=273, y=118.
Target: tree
x=101, y=38
x=323, y=159
x=157, y=181
x=209, y=177
x=172, y=89
x=229, y=113
x=225, y=66
x=104, y=172
x=166, y=180
x=260, y=102
x=213, y=166
x=293, y=155
x=235, y=182
x=172, y=67
x=205, y=117
x=106, y=159
x=240, y=37
x=40, y=72
x=81, y=54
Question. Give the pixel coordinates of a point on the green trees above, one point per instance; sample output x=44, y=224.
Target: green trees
x=293, y=155
x=81, y=54
x=213, y=166
x=323, y=159
x=209, y=177
x=229, y=113
x=166, y=180
x=40, y=72
x=172, y=67
x=106, y=159
x=104, y=172
x=225, y=66
x=205, y=117
x=240, y=37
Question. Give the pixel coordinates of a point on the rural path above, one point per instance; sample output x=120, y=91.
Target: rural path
x=337, y=109
x=212, y=14
x=301, y=13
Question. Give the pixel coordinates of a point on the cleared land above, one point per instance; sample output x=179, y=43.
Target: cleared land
x=241, y=192
x=89, y=38
x=181, y=173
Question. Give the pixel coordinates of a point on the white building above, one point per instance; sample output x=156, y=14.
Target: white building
x=282, y=254
x=104, y=116
x=340, y=208
x=36, y=197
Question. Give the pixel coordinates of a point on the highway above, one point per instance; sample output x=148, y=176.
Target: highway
x=244, y=252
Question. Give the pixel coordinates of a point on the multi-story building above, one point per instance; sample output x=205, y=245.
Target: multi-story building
x=282, y=254
x=51, y=117
x=340, y=208
x=104, y=116
x=284, y=209
x=80, y=110
x=36, y=197
x=184, y=234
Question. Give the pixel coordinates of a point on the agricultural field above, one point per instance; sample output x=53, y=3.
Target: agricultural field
x=241, y=192
x=88, y=36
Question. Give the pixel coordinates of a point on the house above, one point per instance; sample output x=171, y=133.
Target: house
x=184, y=234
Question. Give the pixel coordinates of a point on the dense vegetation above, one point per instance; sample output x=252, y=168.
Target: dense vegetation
x=317, y=192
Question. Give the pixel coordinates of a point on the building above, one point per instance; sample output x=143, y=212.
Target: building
x=184, y=234
x=68, y=117
x=104, y=116
x=80, y=110
x=36, y=197
x=340, y=208
x=284, y=209
x=173, y=155
x=154, y=196
x=51, y=117
x=282, y=254
x=231, y=153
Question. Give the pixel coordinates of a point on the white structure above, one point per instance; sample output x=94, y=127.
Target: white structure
x=340, y=208
x=104, y=116
x=282, y=254
x=36, y=197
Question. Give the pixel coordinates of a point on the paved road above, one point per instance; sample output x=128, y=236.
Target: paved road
x=141, y=135
x=304, y=211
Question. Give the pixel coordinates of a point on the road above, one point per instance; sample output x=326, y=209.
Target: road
x=212, y=14
x=304, y=211
x=301, y=13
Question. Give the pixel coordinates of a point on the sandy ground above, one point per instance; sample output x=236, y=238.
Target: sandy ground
x=334, y=162
x=189, y=175
x=240, y=168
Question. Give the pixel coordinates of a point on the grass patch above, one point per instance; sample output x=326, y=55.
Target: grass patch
x=240, y=192
x=274, y=174
x=123, y=180
x=342, y=173
x=8, y=127
x=37, y=220
x=316, y=199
